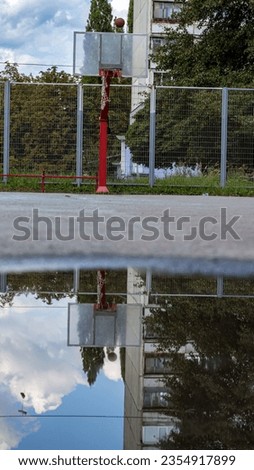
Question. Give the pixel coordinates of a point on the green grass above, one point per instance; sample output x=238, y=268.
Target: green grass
x=238, y=184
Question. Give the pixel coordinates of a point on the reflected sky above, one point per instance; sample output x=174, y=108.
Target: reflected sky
x=35, y=360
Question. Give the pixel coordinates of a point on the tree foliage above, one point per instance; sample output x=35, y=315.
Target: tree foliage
x=222, y=52
x=44, y=286
x=100, y=17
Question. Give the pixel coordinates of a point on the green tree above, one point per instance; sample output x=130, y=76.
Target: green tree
x=100, y=17
x=11, y=72
x=130, y=17
x=220, y=55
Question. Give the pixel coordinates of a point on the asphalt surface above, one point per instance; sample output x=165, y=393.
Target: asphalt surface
x=177, y=234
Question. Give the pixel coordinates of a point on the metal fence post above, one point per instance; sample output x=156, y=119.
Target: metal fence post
x=224, y=137
x=79, y=138
x=76, y=279
x=220, y=286
x=6, y=143
x=148, y=282
x=152, y=130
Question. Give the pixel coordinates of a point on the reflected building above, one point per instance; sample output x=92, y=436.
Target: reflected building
x=144, y=421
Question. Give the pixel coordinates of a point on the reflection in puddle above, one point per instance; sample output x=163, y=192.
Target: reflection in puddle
x=189, y=385
x=36, y=361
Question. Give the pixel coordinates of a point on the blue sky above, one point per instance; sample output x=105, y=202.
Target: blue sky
x=41, y=32
x=82, y=433
x=36, y=360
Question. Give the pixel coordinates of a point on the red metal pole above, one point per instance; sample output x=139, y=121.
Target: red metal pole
x=101, y=290
x=43, y=182
x=103, y=147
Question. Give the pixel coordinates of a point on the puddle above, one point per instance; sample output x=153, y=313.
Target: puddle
x=188, y=383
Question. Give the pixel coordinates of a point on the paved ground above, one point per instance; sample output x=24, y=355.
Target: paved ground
x=179, y=234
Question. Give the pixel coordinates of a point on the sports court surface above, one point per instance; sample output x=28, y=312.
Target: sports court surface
x=177, y=234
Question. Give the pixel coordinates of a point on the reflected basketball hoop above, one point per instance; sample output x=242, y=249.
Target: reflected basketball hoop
x=108, y=55
x=89, y=327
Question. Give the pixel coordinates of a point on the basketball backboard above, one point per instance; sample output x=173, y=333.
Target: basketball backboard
x=88, y=327
x=93, y=52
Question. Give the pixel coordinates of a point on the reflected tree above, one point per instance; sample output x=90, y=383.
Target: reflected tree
x=6, y=299
x=210, y=346
x=46, y=286
x=92, y=361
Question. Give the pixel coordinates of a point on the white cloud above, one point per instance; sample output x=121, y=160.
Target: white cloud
x=112, y=370
x=35, y=357
x=40, y=32
x=120, y=8
x=36, y=32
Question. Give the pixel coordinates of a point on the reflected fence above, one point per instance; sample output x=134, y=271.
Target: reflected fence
x=123, y=286
x=183, y=136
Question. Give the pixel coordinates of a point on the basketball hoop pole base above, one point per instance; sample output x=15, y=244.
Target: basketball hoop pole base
x=102, y=189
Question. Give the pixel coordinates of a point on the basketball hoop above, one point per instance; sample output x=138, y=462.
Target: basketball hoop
x=111, y=55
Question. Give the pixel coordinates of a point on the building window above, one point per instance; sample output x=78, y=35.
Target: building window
x=157, y=365
x=153, y=434
x=155, y=398
x=165, y=10
x=157, y=42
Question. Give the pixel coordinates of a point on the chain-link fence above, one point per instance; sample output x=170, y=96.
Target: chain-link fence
x=181, y=135
x=168, y=285
x=43, y=128
x=240, y=152
x=188, y=131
